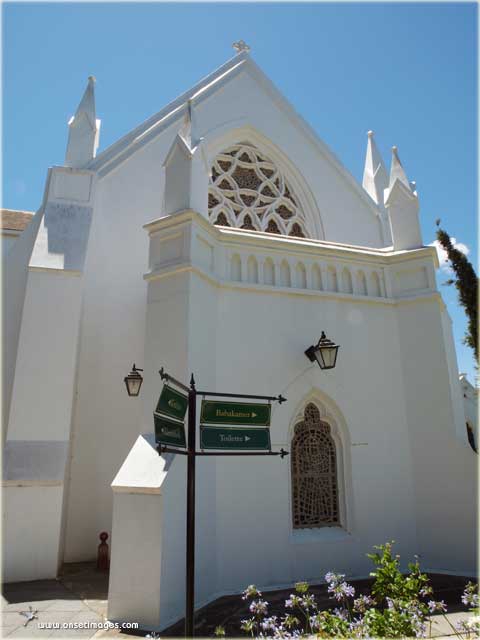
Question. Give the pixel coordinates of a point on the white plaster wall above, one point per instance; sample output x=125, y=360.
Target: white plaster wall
x=40, y=422
x=458, y=406
x=185, y=306
x=14, y=280
x=445, y=467
x=28, y=510
x=48, y=349
x=106, y=421
x=149, y=511
x=265, y=337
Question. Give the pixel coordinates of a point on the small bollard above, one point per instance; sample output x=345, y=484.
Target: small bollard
x=103, y=559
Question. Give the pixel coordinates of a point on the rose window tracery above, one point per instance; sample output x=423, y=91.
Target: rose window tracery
x=249, y=192
x=314, y=473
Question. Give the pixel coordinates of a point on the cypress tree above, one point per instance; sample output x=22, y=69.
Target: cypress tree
x=466, y=283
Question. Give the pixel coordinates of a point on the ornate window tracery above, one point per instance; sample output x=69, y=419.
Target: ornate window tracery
x=314, y=473
x=248, y=191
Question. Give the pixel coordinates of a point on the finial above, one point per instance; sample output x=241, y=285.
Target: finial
x=240, y=46
x=375, y=178
x=397, y=171
x=83, y=130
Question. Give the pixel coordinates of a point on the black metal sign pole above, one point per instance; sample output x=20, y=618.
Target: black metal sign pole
x=190, y=521
x=191, y=454
x=190, y=559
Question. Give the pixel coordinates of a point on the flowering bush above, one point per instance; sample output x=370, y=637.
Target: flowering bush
x=398, y=606
x=471, y=627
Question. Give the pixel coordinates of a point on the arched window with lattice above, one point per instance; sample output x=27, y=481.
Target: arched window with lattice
x=314, y=473
x=248, y=191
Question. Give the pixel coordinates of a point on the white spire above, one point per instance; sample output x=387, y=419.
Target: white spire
x=83, y=130
x=397, y=172
x=401, y=202
x=186, y=170
x=375, y=179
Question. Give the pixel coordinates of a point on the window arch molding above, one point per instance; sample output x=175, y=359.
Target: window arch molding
x=338, y=431
x=236, y=132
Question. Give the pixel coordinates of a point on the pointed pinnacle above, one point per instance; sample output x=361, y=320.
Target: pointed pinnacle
x=375, y=178
x=87, y=103
x=397, y=172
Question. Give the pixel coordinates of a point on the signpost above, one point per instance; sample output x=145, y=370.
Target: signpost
x=254, y=438
x=234, y=438
x=235, y=413
x=172, y=403
x=169, y=431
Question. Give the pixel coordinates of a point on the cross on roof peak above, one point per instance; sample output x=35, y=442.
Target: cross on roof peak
x=240, y=46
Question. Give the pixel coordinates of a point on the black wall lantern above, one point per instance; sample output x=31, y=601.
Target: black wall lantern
x=133, y=381
x=325, y=352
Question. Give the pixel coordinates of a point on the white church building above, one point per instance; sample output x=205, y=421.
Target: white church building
x=221, y=237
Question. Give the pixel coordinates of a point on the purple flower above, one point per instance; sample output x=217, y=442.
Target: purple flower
x=437, y=606
x=315, y=622
x=269, y=624
x=341, y=590
x=358, y=628
x=472, y=625
x=293, y=601
x=251, y=592
x=348, y=590
x=258, y=606
x=307, y=601
x=470, y=595
x=418, y=624
x=362, y=603
x=334, y=578
x=340, y=613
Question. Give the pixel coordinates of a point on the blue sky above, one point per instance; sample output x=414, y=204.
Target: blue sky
x=407, y=71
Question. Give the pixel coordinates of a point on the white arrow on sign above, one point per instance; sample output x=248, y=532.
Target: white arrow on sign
x=254, y=415
x=247, y=438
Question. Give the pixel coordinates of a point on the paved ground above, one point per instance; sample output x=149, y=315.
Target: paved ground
x=80, y=596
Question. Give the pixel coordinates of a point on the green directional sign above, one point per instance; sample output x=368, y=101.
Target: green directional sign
x=169, y=431
x=234, y=438
x=234, y=413
x=173, y=403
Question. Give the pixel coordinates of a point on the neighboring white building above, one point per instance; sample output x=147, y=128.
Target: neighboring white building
x=13, y=223
x=470, y=401
x=221, y=237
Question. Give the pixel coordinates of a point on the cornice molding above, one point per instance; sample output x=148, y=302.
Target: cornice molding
x=261, y=240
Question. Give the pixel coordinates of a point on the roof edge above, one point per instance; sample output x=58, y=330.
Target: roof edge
x=240, y=62
x=115, y=149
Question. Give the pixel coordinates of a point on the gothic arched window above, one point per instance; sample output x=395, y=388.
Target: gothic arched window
x=314, y=473
x=247, y=190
